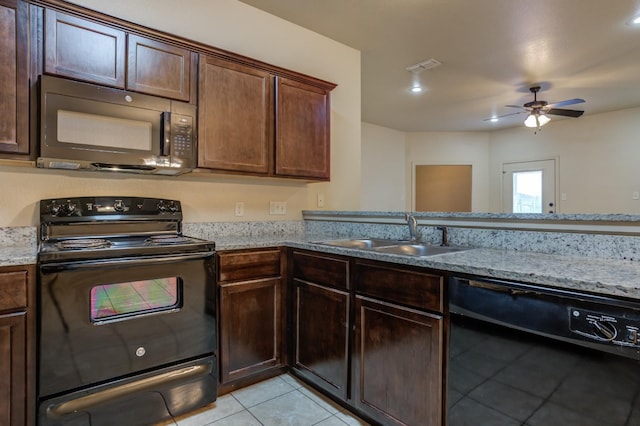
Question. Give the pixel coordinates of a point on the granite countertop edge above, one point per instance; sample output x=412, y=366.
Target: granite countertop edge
x=601, y=276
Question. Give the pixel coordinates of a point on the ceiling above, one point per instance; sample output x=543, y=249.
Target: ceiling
x=491, y=52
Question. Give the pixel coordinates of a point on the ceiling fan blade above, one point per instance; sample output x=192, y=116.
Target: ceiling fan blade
x=504, y=115
x=516, y=106
x=565, y=112
x=566, y=103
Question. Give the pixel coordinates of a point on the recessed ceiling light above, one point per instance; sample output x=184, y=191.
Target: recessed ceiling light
x=634, y=21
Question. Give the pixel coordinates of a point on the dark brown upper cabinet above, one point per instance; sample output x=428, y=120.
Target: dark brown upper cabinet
x=235, y=117
x=159, y=68
x=302, y=130
x=254, y=121
x=14, y=85
x=86, y=50
x=83, y=49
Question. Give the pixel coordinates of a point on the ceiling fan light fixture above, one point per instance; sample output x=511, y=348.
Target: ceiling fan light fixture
x=531, y=121
x=543, y=119
x=537, y=120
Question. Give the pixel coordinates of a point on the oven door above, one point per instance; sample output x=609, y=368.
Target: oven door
x=108, y=320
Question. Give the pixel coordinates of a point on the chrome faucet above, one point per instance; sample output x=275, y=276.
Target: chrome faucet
x=445, y=238
x=413, y=227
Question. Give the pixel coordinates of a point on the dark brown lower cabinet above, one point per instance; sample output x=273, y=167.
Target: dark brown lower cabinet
x=320, y=320
x=17, y=346
x=12, y=368
x=250, y=317
x=370, y=334
x=397, y=363
x=250, y=333
x=321, y=339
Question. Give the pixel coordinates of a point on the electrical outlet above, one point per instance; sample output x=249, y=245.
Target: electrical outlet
x=277, y=207
x=635, y=195
x=239, y=208
x=320, y=200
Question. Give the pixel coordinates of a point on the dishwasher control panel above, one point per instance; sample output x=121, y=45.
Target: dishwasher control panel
x=604, y=327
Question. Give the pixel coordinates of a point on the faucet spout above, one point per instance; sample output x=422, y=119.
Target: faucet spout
x=413, y=227
x=445, y=238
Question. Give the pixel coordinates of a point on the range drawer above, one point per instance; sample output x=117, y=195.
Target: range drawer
x=13, y=290
x=242, y=265
x=321, y=269
x=399, y=285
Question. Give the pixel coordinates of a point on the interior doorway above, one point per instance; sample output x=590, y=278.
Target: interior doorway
x=529, y=187
x=443, y=188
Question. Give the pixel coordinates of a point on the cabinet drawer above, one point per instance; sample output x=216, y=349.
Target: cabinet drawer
x=320, y=269
x=244, y=265
x=404, y=286
x=13, y=290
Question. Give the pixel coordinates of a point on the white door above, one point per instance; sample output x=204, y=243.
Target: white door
x=529, y=187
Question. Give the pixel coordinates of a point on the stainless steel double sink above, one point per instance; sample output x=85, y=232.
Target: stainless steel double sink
x=402, y=247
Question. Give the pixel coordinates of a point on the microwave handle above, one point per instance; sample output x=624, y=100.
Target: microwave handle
x=165, y=139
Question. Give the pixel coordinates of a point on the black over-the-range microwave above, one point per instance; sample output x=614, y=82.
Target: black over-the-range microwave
x=89, y=127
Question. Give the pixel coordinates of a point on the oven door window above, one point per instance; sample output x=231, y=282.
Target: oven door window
x=119, y=301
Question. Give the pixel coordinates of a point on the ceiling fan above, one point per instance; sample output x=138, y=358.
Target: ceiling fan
x=538, y=111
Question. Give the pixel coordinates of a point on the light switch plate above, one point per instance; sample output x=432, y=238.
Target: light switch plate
x=277, y=207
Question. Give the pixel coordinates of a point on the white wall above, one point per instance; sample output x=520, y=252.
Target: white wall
x=237, y=27
x=453, y=148
x=598, y=160
x=389, y=157
x=383, y=173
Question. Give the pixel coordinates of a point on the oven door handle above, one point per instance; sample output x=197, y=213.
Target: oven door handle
x=79, y=265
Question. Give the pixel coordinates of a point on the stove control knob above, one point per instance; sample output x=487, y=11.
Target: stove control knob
x=173, y=207
x=54, y=208
x=70, y=208
x=118, y=206
x=162, y=207
x=604, y=330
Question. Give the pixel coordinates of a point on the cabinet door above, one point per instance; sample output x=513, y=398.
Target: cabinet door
x=250, y=327
x=397, y=364
x=13, y=375
x=302, y=130
x=321, y=351
x=14, y=84
x=159, y=69
x=235, y=104
x=83, y=49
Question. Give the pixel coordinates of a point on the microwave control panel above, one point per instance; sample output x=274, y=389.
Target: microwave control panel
x=181, y=136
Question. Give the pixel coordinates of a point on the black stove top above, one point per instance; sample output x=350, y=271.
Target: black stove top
x=108, y=227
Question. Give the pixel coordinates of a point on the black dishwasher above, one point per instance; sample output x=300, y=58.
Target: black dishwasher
x=522, y=354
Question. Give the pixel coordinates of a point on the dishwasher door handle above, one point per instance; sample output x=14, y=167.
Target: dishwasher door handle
x=500, y=288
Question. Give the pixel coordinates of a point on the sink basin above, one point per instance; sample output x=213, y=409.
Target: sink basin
x=364, y=243
x=417, y=249
x=392, y=246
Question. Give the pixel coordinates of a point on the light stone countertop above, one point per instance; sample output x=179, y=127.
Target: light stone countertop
x=603, y=276
x=18, y=255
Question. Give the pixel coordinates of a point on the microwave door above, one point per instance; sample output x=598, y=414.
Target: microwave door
x=88, y=130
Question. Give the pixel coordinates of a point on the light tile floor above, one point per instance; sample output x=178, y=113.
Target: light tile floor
x=282, y=400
